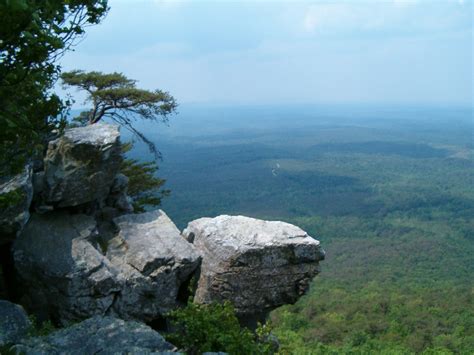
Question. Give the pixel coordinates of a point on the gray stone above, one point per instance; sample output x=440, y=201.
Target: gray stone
x=257, y=265
x=99, y=335
x=81, y=165
x=63, y=274
x=120, y=183
x=154, y=262
x=118, y=197
x=16, y=194
x=61, y=263
x=14, y=323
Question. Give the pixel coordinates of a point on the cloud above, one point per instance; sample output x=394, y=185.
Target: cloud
x=168, y=3
x=404, y=3
x=396, y=17
x=322, y=17
x=346, y=17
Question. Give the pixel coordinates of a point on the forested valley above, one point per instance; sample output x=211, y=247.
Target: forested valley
x=387, y=190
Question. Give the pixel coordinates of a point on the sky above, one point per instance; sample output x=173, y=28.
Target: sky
x=288, y=52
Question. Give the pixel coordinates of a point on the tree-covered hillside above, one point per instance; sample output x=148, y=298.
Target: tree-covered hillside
x=390, y=195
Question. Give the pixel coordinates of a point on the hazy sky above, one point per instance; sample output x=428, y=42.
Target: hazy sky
x=247, y=52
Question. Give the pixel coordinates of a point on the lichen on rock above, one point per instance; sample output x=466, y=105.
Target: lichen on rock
x=80, y=166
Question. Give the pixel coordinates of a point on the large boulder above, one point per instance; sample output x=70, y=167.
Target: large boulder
x=63, y=275
x=155, y=263
x=98, y=335
x=80, y=166
x=71, y=272
x=257, y=265
x=14, y=323
x=16, y=193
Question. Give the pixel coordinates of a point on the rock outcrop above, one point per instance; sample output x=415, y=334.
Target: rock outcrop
x=63, y=275
x=154, y=263
x=257, y=265
x=14, y=323
x=99, y=335
x=81, y=165
x=75, y=259
x=60, y=260
x=16, y=194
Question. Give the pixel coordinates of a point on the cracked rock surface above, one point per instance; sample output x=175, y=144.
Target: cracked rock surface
x=154, y=261
x=80, y=166
x=257, y=265
x=62, y=273
x=66, y=274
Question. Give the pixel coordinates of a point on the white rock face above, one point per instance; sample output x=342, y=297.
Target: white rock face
x=81, y=165
x=257, y=265
x=154, y=261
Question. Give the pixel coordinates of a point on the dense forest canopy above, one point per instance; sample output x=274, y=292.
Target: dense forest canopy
x=387, y=190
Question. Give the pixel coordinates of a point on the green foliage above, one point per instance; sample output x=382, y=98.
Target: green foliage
x=395, y=220
x=143, y=186
x=379, y=317
x=7, y=350
x=11, y=198
x=39, y=329
x=116, y=97
x=33, y=35
x=199, y=328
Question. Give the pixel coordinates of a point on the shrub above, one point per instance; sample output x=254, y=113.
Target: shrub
x=200, y=328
